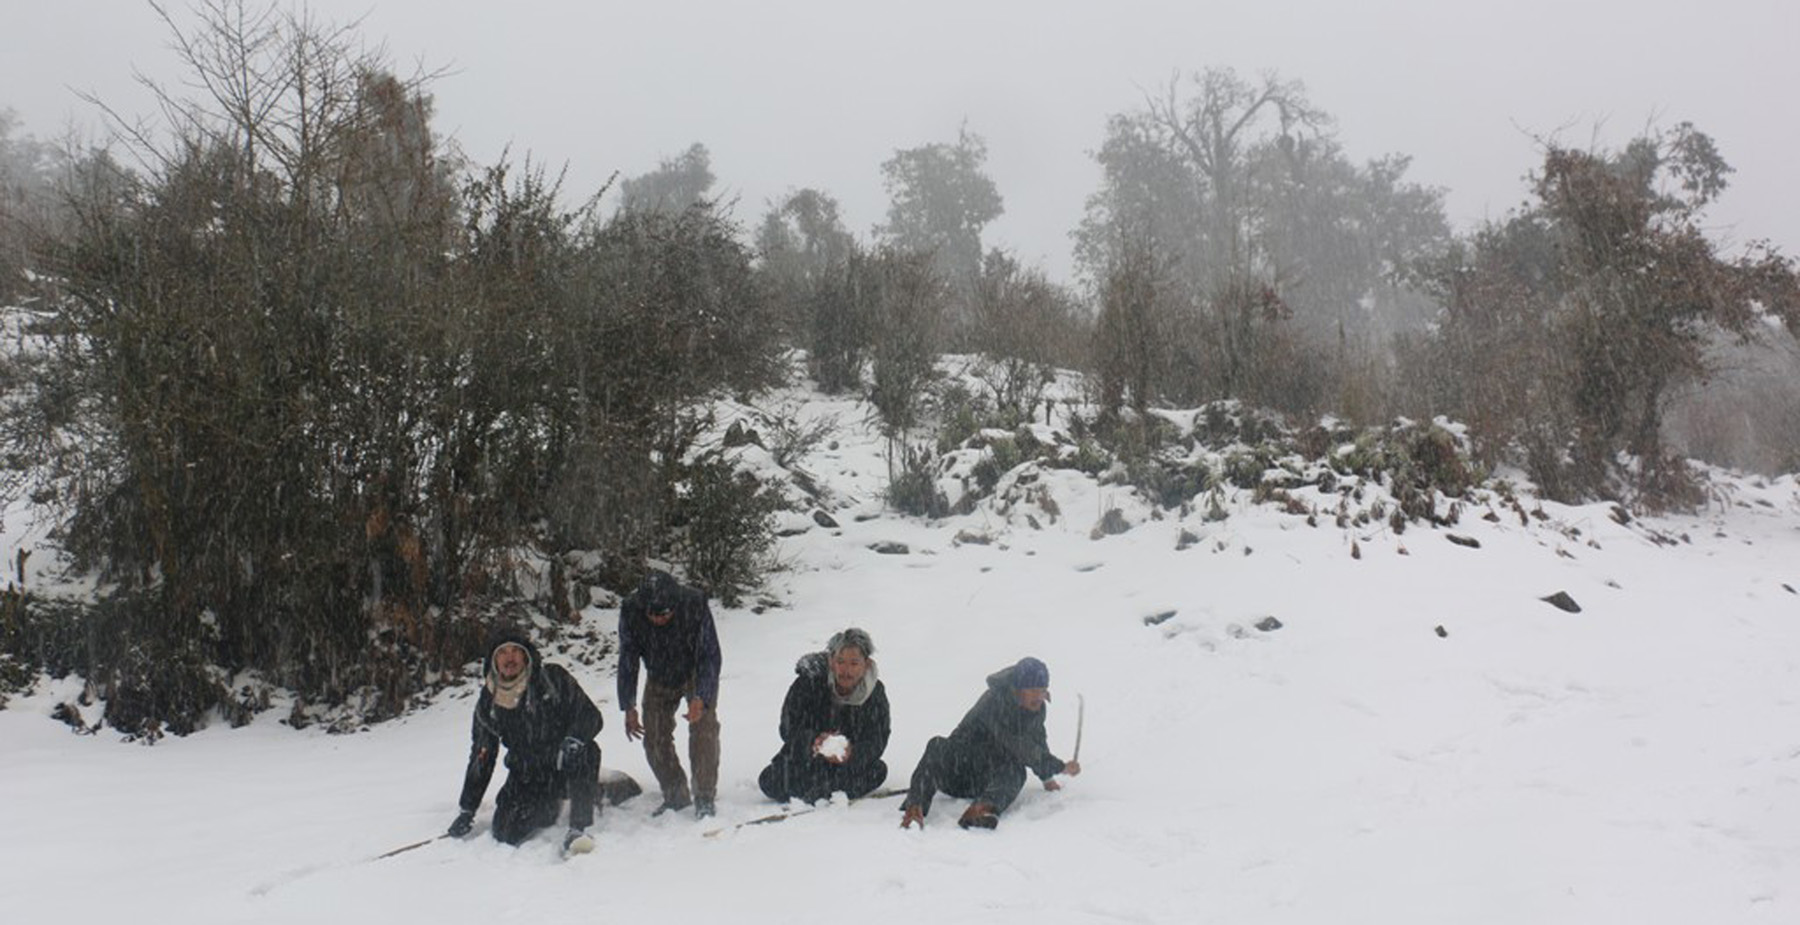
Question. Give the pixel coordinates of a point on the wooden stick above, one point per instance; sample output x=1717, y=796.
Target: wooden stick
x=405, y=848
x=882, y=794
x=1080, y=715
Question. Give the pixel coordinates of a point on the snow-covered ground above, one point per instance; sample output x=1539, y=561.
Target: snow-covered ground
x=1638, y=761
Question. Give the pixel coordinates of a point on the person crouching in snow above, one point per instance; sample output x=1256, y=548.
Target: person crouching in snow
x=834, y=725
x=985, y=758
x=547, y=723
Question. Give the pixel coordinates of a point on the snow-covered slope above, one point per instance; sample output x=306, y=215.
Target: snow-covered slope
x=1638, y=761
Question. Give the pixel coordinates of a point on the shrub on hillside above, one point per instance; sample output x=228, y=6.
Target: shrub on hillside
x=1170, y=484
x=912, y=484
x=726, y=535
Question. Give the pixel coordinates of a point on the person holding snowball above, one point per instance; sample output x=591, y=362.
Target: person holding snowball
x=834, y=725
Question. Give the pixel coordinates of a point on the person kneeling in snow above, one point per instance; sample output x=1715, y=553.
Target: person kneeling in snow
x=985, y=758
x=834, y=725
x=547, y=723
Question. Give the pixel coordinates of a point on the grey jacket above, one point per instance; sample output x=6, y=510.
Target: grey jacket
x=998, y=728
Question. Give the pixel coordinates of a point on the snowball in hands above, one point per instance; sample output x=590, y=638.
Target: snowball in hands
x=834, y=748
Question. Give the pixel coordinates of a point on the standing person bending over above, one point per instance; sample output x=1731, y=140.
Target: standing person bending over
x=547, y=724
x=834, y=725
x=669, y=628
x=985, y=758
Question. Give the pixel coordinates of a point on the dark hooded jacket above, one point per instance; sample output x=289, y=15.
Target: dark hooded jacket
x=810, y=709
x=688, y=647
x=997, y=728
x=553, y=708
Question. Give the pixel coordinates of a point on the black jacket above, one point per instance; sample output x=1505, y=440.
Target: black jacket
x=810, y=709
x=997, y=729
x=553, y=708
x=686, y=648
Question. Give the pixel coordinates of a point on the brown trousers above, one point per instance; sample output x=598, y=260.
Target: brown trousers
x=660, y=706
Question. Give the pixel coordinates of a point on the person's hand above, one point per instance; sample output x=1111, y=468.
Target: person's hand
x=1071, y=768
x=570, y=753
x=911, y=815
x=1052, y=785
x=696, y=707
x=819, y=742
x=465, y=821
x=634, y=727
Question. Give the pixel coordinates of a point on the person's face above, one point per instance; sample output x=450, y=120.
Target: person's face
x=848, y=667
x=661, y=617
x=509, y=660
x=1031, y=699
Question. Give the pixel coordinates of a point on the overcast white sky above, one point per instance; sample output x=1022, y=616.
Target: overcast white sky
x=792, y=93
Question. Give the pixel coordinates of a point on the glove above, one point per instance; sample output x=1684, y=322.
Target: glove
x=465, y=821
x=570, y=752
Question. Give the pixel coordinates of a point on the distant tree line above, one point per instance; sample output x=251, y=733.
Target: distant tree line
x=313, y=397
x=1236, y=253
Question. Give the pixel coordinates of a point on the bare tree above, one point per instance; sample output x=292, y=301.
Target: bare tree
x=1215, y=129
x=1280, y=252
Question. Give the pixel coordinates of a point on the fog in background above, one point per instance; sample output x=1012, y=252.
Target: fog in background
x=805, y=93
x=312, y=392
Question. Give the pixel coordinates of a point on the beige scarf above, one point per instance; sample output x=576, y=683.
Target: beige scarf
x=507, y=694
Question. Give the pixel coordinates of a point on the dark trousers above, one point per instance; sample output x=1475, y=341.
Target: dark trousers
x=813, y=778
x=964, y=772
x=531, y=801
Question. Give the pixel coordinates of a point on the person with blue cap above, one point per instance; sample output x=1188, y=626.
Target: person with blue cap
x=985, y=758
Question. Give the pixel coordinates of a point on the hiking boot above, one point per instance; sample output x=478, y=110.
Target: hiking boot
x=703, y=808
x=578, y=841
x=979, y=816
x=671, y=805
x=910, y=814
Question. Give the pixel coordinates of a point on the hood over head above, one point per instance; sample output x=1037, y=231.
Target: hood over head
x=507, y=694
x=510, y=636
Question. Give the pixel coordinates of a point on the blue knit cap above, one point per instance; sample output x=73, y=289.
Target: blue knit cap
x=1030, y=672
x=659, y=592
